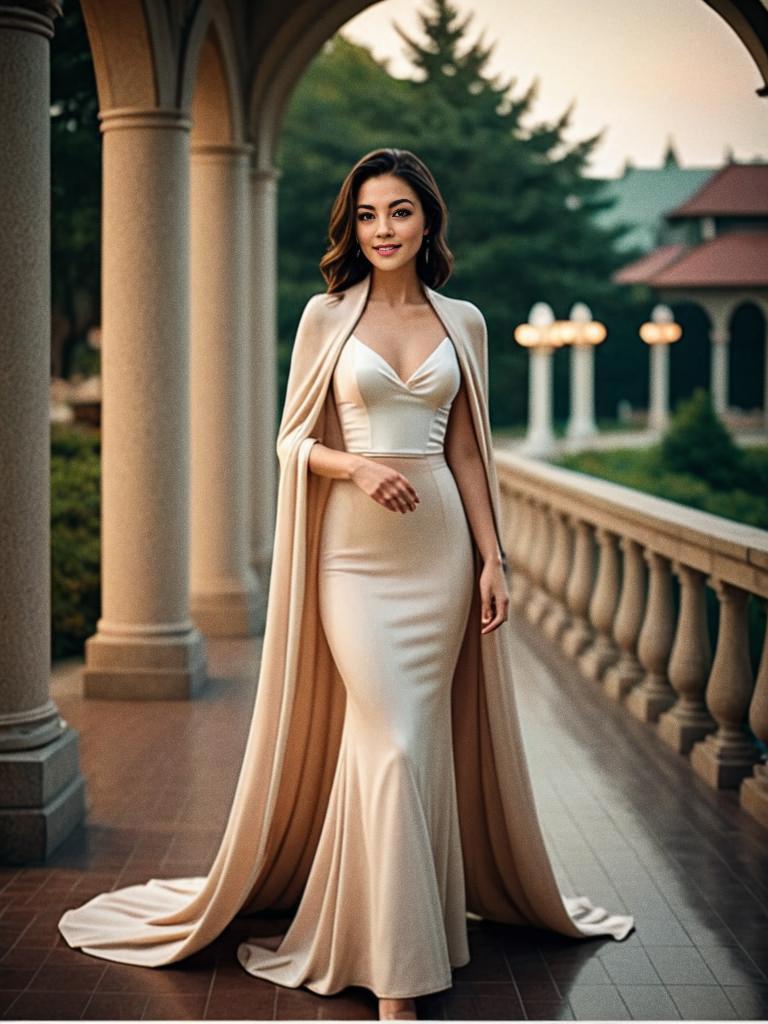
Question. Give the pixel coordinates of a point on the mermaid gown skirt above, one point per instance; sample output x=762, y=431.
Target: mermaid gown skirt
x=384, y=904
x=385, y=895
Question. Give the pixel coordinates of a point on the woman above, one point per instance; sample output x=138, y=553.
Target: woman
x=384, y=793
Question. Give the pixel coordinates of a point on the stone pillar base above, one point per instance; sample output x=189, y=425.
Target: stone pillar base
x=555, y=622
x=576, y=638
x=594, y=661
x=680, y=729
x=754, y=794
x=42, y=798
x=142, y=668
x=234, y=614
x=622, y=677
x=537, y=606
x=723, y=762
x=649, y=699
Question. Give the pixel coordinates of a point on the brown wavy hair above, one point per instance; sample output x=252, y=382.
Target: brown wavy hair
x=340, y=265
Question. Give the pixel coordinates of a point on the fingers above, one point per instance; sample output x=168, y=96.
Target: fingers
x=399, y=496
x=493, y=612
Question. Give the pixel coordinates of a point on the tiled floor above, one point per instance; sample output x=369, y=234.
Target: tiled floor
x=626, y=822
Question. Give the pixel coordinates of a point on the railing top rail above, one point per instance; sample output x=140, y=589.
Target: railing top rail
x=727, y=550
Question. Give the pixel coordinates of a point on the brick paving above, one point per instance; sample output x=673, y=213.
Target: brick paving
x=626, y=821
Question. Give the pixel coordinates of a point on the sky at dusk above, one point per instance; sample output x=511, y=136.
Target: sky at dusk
x=644, y=71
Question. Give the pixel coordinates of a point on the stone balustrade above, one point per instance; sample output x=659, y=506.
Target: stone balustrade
x=618, y=580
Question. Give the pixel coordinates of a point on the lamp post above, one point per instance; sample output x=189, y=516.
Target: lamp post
x=659, y=332
x=541, y=337
x=582, y=333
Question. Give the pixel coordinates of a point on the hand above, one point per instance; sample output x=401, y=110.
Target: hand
x=385, y=485
x=494, y=596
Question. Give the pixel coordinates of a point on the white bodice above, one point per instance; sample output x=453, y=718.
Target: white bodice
x=382, y=414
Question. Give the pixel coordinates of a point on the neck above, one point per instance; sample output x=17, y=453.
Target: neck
x=397, y=287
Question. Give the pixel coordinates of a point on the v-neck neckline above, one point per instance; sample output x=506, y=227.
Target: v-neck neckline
x=393, y=371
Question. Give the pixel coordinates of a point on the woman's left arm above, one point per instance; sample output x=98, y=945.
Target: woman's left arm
x=463, y=456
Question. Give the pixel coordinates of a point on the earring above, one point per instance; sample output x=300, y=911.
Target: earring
x=426, y=248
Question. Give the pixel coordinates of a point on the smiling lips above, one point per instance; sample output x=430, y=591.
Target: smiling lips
x=386, y=250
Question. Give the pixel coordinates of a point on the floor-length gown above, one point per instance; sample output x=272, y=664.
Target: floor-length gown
x=384, y=904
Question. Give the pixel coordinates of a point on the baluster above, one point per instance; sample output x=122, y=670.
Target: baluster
x=518, y=591
x=723, y=758
x=579, y=633
x=538, y=602
x=754, y=790
x=558, y=618
x=627, y=671
x=602, y=651
x=689, y=665
x=654, y=694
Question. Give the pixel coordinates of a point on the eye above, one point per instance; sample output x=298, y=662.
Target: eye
x=403, y=209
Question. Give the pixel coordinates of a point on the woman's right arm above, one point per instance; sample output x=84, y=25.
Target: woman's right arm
x=381, y=482
x=331, y=462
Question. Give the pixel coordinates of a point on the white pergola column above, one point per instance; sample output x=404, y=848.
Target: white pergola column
x=720, y=340
x=540, y=438
x=224, y=588
x=42, y=795
x=146, y=645
x=658, y=411
x=264, y=372
x=581, y=422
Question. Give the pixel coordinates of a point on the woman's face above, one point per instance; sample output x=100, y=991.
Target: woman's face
x=390, y=221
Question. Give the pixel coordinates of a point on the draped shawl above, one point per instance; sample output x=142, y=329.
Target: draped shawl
x=282, y=791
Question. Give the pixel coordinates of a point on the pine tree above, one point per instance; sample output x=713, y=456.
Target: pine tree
x=521, y=207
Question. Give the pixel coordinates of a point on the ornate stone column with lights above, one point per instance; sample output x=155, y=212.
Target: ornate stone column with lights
x=659, y=333
x=42, y=793
x=582, y=333
x=541, y=337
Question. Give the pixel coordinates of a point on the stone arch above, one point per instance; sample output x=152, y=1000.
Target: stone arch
x=749, y=20
x=210, y=77
x=299, y=36
x=133, y=54
x=279, y=67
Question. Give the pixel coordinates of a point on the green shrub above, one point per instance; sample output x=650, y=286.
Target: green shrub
x=698, y=443
x=75, y=538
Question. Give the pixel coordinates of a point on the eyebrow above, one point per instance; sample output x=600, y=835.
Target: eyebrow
x=367, y=206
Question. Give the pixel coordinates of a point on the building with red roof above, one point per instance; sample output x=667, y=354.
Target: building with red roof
x=715, y=254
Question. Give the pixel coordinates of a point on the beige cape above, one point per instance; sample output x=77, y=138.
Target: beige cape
x=282, y=792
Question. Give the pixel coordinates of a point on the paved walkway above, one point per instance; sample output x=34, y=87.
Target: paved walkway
x=627, y=823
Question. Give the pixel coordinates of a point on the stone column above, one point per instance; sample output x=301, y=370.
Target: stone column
x=658, y=410
x=264, y=370
x=540, y=438
x=42, y=795
x=581, y=422
x=223, y=586
x=145, y=645
x=720, y=340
